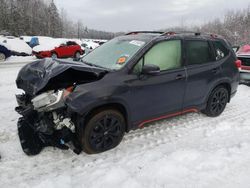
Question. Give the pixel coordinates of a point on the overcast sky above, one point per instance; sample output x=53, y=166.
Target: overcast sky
x=127, y=15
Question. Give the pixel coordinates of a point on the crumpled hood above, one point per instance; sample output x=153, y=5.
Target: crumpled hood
x=53, y=74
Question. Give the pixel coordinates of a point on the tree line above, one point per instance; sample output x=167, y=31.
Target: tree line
x=37, y=18
x=234, y=26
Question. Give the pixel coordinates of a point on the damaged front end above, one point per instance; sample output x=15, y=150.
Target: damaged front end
x=45, y=118
x=45, y=122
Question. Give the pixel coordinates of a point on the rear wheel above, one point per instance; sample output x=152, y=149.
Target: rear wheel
x=103, y=131
x=2, y=57
x=54, y=56
x=217, y=102
x=77, y=55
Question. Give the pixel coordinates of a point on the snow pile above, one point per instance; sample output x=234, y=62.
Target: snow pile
x=16, y=45
x=192, y=150
x=20, y=59
x=51, y=44
x=27, y=39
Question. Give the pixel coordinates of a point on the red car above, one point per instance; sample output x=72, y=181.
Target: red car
x=70, y=49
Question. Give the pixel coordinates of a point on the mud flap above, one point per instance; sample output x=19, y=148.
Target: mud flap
x=29, y=139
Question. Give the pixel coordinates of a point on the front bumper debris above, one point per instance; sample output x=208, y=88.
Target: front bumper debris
x=37, y=130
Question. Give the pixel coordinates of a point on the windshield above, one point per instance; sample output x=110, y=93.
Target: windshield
x=114, y=54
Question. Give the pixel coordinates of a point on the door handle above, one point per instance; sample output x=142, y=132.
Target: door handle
x=179, y=77
x=215, y=70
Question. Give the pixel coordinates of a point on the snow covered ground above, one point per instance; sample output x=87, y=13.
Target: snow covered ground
x=19, y=59
x=184, y=152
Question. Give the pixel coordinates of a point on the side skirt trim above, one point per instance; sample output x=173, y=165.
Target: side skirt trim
x=141, y=125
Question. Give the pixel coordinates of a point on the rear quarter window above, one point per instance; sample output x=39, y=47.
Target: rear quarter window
x=220, y=50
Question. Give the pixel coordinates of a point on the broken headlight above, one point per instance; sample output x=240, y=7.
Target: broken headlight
x=50, y=100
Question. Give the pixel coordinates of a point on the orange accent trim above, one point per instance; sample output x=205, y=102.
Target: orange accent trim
x=70, y=89
x=168, y=116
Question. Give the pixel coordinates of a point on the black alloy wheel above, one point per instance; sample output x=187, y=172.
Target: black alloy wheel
x=103, y=132
x=217, y=102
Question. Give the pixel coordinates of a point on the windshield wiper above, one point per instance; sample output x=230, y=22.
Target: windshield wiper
x=94, y=65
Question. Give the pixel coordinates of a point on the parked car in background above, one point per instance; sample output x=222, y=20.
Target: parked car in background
x=4, y=53
x=26, y=39
x=58, y=48
x=243, y=55
x=34, y=41
x=89, y=46
x=11, y=46
x=100, y=42
x=124, y=84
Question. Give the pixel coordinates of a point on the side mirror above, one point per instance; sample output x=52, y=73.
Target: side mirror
x=151, y=69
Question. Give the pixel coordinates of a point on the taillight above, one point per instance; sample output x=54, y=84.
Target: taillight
x=238, y=63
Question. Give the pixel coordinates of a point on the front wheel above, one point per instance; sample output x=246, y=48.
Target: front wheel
x=217, y=102
x=2, y=57
x=54, y=55
x=77, y=55
x=103, y=131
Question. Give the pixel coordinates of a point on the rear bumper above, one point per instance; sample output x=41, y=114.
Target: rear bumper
x=245, y=77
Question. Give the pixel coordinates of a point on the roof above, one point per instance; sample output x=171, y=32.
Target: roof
x=156, y=34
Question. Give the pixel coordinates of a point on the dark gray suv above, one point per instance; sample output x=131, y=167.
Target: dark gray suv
x=122, y=85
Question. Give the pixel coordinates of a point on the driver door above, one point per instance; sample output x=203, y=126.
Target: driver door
x=154, y=96
x=61, y=50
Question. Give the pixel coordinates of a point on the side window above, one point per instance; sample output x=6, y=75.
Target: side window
x=220, y=50
x=198, y=52
x=166, y=55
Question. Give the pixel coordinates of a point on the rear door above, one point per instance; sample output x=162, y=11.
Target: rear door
x=202, y=70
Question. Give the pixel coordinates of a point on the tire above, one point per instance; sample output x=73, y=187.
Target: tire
x=54, y=55
x=77, y=55
x=103, y=131
x=217, y=102
x=2, y=57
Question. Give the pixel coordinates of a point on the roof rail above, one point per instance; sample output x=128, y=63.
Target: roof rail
x=138, y=32
x=168, y=33
x=181, y=32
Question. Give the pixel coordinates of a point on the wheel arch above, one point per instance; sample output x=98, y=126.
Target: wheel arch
x=77, y=51
x=225, y=84
x=53, y=52
x=120, y=107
